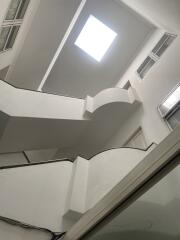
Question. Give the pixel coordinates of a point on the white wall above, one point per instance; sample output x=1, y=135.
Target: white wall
x=22, y=103
x=9, y=232
x=160, y=80
x=41, y=155
x=92, y=180
x=36, y=194
x=8, y=159
x=107, y=169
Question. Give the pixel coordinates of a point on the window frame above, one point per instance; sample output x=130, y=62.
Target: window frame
x=153, y=56
x=160, y=161
x=165, y=116
x=12, y=23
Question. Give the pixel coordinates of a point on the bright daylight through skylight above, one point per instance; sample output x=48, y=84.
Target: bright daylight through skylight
x=95, y=38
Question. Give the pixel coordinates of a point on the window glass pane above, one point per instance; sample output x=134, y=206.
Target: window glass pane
x=12, y=9
x=170, y=102
x=154, y=216
x=174, y=119
x=3, y=36
x=22, y=9
x=145, y=67
x=12, y=37
x=163, y=44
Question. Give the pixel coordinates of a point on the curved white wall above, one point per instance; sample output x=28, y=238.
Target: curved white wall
x=41, y=121
x=55, y=195
x=110, y=96
x=109, y=168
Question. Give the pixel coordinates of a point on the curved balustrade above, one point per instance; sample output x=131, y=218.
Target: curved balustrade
x=39, y=121
x=61, y=189
x=110, y=97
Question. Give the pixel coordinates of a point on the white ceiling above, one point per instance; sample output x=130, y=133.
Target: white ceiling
x=77, y=74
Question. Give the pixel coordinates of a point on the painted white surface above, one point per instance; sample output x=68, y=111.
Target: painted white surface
x=107, y=169
x=107, y=97
x=8, y=159
x=8, y=232
x=144, y=170
x=110, y=95
x=137, y=140
x=24, y=103
x=63, y=41
x=39, y=121
x=36, y=194
x=76, y=199
x=56, y=195
x=159, y=81
x=41, y=155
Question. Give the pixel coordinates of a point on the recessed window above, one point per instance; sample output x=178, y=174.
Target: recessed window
x=12, y=37
x=137, y=140
x=172, y=99
x=12, y=22
x=145, y=67
x=12, y=9
x=95, y=38
x=4, y=32
x=155, y=54
x=170, y=108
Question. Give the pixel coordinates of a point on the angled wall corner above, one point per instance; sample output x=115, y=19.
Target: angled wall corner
x=133, y=96
x=76, y=198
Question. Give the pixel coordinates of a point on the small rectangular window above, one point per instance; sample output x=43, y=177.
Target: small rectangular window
x=145, y=66
x=163, y=44
x=13, y=8
x=4, y=33
x=155, y=54
x=22, y=9
x=170, y=108
x=12, y=23
x=12, y=37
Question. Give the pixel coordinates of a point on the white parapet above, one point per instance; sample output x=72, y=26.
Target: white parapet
x=110, y=96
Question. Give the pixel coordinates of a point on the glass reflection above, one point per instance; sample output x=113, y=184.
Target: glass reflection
x=155, y=215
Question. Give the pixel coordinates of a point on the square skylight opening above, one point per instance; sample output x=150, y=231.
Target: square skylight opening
x=95, y=38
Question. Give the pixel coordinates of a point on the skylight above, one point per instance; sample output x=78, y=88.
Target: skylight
x=95, y=38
